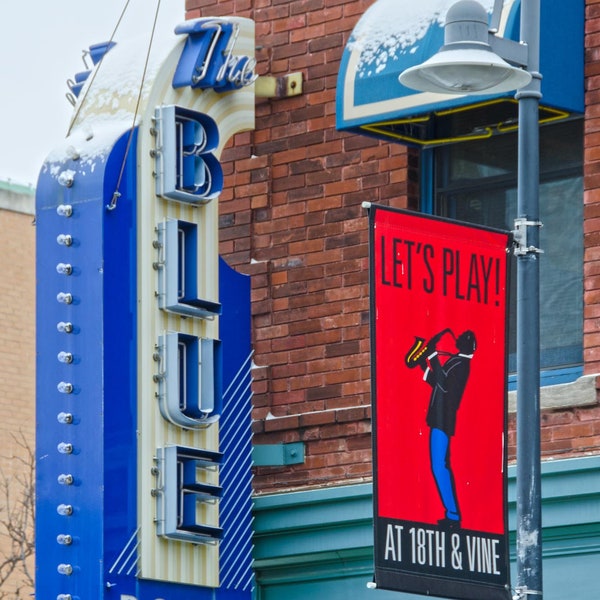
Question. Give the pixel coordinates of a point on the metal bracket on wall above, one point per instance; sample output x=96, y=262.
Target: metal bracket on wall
x=278, y=455
x=286, y=86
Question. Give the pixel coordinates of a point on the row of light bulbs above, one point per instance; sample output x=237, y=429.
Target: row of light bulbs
x=64, y=387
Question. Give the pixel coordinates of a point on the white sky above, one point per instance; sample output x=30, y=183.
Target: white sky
x=41, y=44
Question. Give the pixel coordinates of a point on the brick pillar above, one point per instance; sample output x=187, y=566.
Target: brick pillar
x=591, y=337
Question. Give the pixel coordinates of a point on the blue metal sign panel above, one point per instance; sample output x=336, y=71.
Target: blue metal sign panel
x=86, y=442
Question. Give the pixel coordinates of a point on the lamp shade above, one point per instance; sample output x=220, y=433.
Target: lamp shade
x=466, y=64
x=473, y=70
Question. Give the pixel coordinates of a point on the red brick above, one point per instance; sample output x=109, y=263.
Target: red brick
x=298, y=185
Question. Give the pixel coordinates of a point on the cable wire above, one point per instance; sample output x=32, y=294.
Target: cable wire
x=93, y=76
x=116, y=195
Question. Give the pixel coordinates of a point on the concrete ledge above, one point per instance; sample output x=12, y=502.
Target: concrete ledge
x=581, y=392
x=17, y=198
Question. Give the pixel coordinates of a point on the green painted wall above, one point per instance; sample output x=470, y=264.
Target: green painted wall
x=317, y=544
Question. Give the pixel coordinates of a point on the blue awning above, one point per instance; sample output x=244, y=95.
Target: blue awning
x=393, y=35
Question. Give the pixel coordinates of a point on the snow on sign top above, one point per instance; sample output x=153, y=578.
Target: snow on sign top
x=393, y=27
x=115, y=94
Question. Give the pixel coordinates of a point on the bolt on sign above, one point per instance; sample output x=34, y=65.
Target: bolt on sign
x=439, y=365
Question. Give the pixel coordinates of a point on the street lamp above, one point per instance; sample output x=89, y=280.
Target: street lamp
x=467, y=62
x=474, y=60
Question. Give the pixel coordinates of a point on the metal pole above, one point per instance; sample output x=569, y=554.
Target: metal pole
x=529, y=522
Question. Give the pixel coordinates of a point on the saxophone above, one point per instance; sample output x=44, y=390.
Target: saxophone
x=421, y=349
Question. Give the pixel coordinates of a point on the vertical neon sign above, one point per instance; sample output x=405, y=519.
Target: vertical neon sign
x=143, y=334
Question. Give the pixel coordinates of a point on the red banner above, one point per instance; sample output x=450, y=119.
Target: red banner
x=439, y=308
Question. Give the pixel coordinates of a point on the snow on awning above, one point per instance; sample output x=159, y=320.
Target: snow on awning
x=393, y=35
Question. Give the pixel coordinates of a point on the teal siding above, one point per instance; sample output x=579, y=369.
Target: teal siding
x=317, y=544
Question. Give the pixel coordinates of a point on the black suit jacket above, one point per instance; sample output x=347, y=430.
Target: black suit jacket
x=448, y=383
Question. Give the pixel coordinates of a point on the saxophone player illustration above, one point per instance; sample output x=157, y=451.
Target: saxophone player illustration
x=447, y=381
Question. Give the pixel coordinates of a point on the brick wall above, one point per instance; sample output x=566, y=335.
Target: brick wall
x=17, y=367
x=569, y=433
x=565, y=433
x=291, y=216
x=17, y=328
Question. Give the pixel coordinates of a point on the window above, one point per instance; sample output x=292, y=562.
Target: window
x=477, y=182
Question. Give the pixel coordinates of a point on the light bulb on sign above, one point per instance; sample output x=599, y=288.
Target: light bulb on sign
x=64, y=418
x=64, y=269
x=65, y=569
x=65, y=448
x=73, y=153
x=64, y=297
x=63, y=327
x=65, y=357
x=64, y=210
x=64, y=239
x=67, y=178
x=64, y=510
x=65, y=388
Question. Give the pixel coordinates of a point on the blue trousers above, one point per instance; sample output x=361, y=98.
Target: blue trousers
x=439, y=452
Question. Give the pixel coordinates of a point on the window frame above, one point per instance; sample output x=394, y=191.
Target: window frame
x=430, y=161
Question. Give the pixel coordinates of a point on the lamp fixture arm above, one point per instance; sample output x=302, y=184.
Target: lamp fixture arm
x=514, y=53
x=496, y=16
